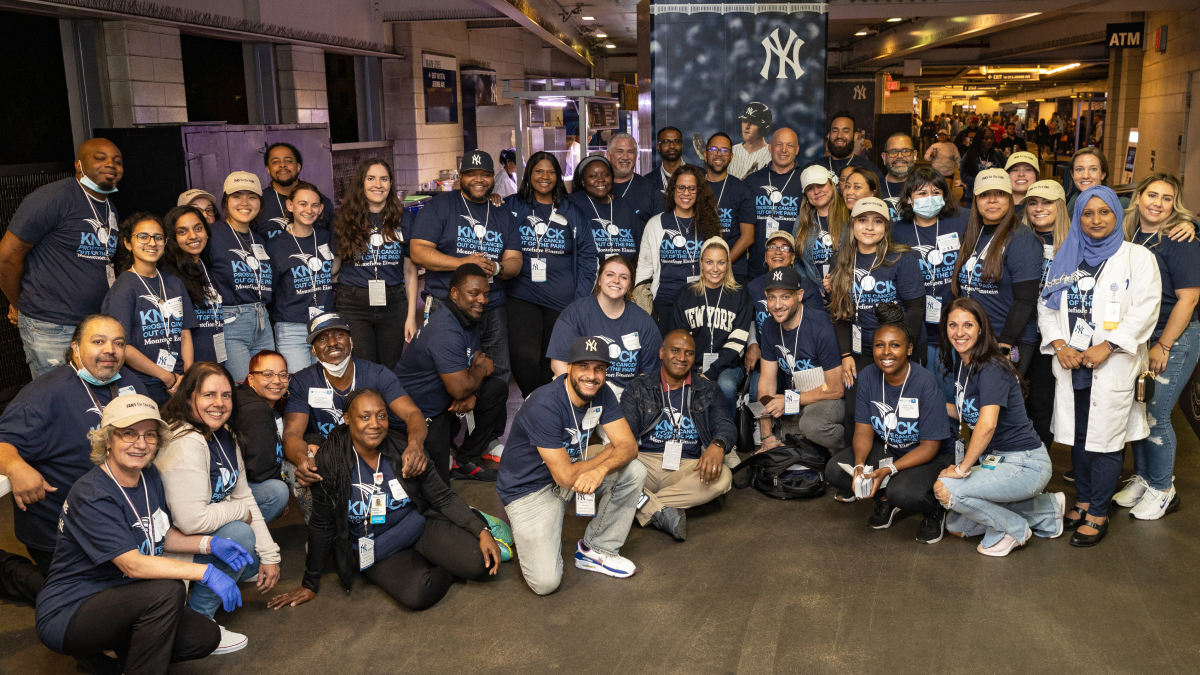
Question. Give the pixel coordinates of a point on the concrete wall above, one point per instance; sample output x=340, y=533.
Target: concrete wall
x=502, y=50
x=145, y=73
x=300, y=74
x=353, y=19
x=1164, y=88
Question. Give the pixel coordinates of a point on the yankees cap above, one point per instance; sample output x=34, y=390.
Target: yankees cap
x=786, y=278
x=757, y=113
x=477, y=160
x=323, y=322
x=242, y=180
x=588, y=348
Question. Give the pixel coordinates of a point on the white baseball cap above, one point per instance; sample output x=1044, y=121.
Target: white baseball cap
x=814, y=175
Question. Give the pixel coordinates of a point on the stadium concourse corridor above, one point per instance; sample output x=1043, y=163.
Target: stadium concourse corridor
x=760, y=586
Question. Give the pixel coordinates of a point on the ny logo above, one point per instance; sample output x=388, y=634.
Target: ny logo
x=591, y=345
x=860, y=92
x=771, y=44
x=778, y=276
x=475, y=160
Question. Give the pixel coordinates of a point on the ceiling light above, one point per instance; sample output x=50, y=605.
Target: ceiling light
x=609, y=45
x=861, y=33
x=552, y=102
x=588, y=18
x=1059, y=69
x=601, y=35
x=895, y=20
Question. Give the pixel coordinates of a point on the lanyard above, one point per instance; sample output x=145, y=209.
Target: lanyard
x=691, y=256
x=537, y=245
x=937, y=232
x=353, y=379
x=149, y=529
x=162, y=305
x=92, y=396
x=316, y=253
x=958, y=400
x=665, y=178
x=610, y=215
x=883, y=390
x=487, y=218
x=858, y=294
x=212, y=291
x=578, y=434
x=257, y=266
x=796, y=341
x=628, y=184
x=708, y=315
x=982, y=255
x=96, y=214
x=785, y=184
x=676, y=422
x=375, y=487
x=282, y=213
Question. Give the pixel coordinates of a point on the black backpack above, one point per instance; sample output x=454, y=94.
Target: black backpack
x=792, y=471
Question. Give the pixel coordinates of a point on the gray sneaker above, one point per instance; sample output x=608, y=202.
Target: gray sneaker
x=672, y=521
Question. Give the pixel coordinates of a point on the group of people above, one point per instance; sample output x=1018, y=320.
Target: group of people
x=278, y=356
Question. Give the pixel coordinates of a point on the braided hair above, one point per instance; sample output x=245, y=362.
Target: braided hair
x=892, y=314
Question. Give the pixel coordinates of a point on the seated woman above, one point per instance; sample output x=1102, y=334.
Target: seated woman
x=1002, y=498
x=1100, y=306
x=109, y=587
x=205, y=479
x=410, y=536
x=260, y=424
x=908, y=441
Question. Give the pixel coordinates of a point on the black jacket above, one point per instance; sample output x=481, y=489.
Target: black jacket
x=706, y=405
x=329, y=523
x=256, y=424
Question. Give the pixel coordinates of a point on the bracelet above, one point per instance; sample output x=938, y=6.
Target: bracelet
x=764, y=438
x=204, y=544
x=1164, y=347
x=860, y=466
x=1060, y=348
x=895, y=470
x=958, y=471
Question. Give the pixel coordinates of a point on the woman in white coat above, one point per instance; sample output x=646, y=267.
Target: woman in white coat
x=1098, y=308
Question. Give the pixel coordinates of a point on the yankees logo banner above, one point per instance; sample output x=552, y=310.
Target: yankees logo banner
x=718, y=65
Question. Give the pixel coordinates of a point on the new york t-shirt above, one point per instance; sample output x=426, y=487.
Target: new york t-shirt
x=458, y=228
x=615, y=228
x=241, y=267
x=905, y=421
x=154, y=313
x=993, y=384
x=303, y=279
x=443, y=346
x=633, y=338
x=812, y=344
x=323, y=419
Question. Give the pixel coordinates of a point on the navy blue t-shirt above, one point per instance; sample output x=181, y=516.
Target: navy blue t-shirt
x=1022, y=262
x=223, y=469
x=922, y=417
x=209, y=324
x=735, y=205
x=442, y=347
x=548, y=419
x=645, y=200
x=674, y=425
x=823, y=254
x=273, y=217
x=1047, y=255
x=384, y=262
x=758, y=296
x=678, y=256
x=449, y=222
x=47, y=423
x=1079, y=308
x=323, y=420
x=633, y=338
x=140, y=305
x=1178, y=267
x=74, y=239
x=564, y=246
x=764, y=184
x=937, y=266
x=995, y=385
x=97, y=525
x=812, y=344
x=301, y=293
x=402, y=524
x=241, y=267
x=615, y=228
x=899, y=282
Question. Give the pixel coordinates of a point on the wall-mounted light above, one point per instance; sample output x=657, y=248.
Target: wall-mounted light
x=552, y=102
x=861, y=33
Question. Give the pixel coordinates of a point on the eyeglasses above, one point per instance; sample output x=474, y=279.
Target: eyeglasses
x=143, y=237
x=282, y=375
x=903, y=152
x=671, y=141
x=720, y=151
x=210, y=211
x=130, y=436
x=782, y=248
x=686, y=189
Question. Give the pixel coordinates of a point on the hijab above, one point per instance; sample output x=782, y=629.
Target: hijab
x=1078, y=247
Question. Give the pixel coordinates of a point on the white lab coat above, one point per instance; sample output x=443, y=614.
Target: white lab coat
x=1115, y=417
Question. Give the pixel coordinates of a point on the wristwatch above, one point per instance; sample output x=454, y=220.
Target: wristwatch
x=721, y=443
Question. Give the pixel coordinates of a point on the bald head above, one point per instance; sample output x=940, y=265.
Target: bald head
x=99, y=160
x=785, y=145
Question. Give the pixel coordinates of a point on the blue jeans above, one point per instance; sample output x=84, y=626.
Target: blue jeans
x=537, y=521
x=271, y=496
x=248, y=334
x=45, y=344
x=1004, y=500
x=291, y=341
x=204, y=601
x=729, y=380
x=1154, y=456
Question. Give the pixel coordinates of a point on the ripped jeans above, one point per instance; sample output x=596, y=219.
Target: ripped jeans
x=1154, y=456
x=1007, y=499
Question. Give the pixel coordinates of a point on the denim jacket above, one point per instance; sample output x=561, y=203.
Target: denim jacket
x=642, y=404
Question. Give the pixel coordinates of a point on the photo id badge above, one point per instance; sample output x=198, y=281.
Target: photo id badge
x=366, y=552
x=709, y=359
x=856, y=339
x=320, y=398
x=991, y=461
x=378, y=508
x=772, y=226
x=166, y=360
x=398, y=492
x=791, y=402
x=672, y=453
x=1112, y=315
x=219, y=347
x=537, y=270
x=933, y=309
x=592, y=417
x=948, y=242
x=323, y=249
x=585, y=505
x=259, y=252
x=376, y=292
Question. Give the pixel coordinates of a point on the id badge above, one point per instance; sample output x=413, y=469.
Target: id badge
x=772, y=226
x=933, y=309
x=908, y=408
x=376, y=292
x=948, y=242
x=991, y=461
x=631, y=341
x=125, y=391
x=1047, y=252
x=314, y=312
x=585, y=505
x=709, y=359
x=824, y=270
x=323, y=249
x=1081, y=335
x=219, y=347
x=366, y=552
x=166, y=360
x=537, y=270
x=111, y=274
x=592, y=417
x=693, y=279
x=174, y=307
x=398, y=492
x=672, y=453
x=1112, y=315
x=320, y=398
x=259, y=252
x=791, y=402
x=470, y=418
x=856, y=339
x=378, y=508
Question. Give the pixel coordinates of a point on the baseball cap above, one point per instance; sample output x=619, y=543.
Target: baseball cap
x=477, y=160
x=756, y=113
x=786, y=278
x=242, y=180
x=814, y=175
x=990, y=179
x=1022, y=157
x=129, y=409
x=588, y=348
x=187, y=197
x=784, y=235
x=872, y=205
x=323, y=322
x=1047, y=189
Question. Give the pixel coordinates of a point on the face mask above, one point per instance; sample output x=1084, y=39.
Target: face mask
x=91, y=185
x=338, y=370
x=86, y=375
x=928, y=207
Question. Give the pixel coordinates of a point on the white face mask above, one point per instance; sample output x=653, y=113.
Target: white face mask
x=339, y=369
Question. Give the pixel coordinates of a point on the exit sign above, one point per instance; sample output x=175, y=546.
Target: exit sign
x=1124, y=35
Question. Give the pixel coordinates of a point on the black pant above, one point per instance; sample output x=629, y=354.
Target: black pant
x=378, y=332
x=1096, y=473
x=1039, y=405
x=529, y=330
x=665, y=312
x=491, y=413
x=147, y=623
x=1025, y=354
x=910, y=490
x=20, y=579
x=861, y=361
x=420, y=575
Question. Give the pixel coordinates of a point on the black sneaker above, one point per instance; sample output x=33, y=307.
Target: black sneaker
x=884, y=513
x=1069, y=476
x=844, y=496
x=932, y=527
x=469, y=471
x=671, y=520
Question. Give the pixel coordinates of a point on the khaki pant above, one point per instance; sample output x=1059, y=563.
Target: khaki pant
x=680, y=489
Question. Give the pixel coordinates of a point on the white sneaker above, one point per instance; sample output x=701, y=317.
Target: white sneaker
x=230, y=642
x=1060, y=513
x=732, y=459
x=595, y=561
x=1004, y=546
x=1155, y=504
x=1132, y=493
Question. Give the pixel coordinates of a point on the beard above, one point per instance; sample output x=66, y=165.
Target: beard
x=289, y=182
x=844, y=153
x=575, y=388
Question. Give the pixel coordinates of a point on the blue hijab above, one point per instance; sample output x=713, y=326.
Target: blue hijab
x=1079, y=247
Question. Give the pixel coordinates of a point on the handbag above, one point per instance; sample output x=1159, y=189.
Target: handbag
x=1145, y=387
x=744, y=418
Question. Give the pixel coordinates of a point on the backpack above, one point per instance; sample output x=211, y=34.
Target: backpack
x=792, y=471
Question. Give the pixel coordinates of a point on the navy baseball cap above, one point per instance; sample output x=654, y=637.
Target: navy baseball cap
x=757, y=113
x=323, y=322
x=588, y=348
x=786, y=278
x=477, y=160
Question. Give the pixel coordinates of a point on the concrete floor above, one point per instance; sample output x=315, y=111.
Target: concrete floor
x=760, y=586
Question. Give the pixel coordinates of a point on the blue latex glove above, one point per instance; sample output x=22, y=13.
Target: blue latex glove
x=230, y=552
x=223, y=586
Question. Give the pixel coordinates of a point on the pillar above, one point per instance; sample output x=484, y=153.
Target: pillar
x=301, y=80
x=145, y=73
